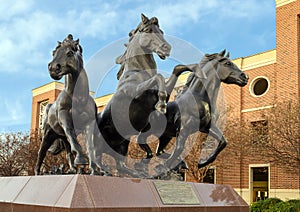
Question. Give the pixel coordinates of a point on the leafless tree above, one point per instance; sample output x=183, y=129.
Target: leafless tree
x=14, y=151
x=282, y=145
x=50, y=160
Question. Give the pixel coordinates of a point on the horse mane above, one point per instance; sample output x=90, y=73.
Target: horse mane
x=209, y=57
x=206, y=58
x=141, y=26
x=68, y=41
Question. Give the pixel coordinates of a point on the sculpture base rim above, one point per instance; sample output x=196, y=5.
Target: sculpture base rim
x=84, y=192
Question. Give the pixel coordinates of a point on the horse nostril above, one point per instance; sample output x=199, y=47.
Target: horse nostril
x=244, y=76
x=58, y=66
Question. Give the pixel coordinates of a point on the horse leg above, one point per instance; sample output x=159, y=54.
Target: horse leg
x=156, y=80
x=216, y=133
x=120, y=156
x=121, y=152
x=177, y=71
x=70, y=157
x=90, y=139
x=181, y=138
x=48, y=139
x=163, y=142
x=174, y=160
x=66, y=123
x=142, y=141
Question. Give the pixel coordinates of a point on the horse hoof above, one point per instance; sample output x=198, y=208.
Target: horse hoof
x=204, y=162
x=81, y=161
x=95, y=173
x=71, y=171
x=149, y=156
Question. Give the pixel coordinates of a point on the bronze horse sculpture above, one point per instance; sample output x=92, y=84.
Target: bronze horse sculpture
x=74, y=110
x=194, y=108
x=140, y=92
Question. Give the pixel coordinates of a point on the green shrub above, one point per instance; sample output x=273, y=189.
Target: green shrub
x=275, y=205
x=282, y=207
x=295, y=203
x=264, y=205
x=256, y=206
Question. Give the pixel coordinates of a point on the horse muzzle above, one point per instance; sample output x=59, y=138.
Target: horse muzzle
x=244, y=79
x=164, y=51
x=55, y=71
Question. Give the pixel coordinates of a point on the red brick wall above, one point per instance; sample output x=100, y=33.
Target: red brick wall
x=284, y=77
x=287, y=47
x=50, y=96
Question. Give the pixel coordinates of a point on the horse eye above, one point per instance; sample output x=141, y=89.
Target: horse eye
x=148, y=30
x=228, y=63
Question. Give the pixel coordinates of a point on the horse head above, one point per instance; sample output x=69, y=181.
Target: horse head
x=227, y=71
x=151, y=37
x=67, y=58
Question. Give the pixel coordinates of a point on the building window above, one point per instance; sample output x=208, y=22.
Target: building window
x=42, y=113
x=259, y=86
x=210, y=176
x=259, y=131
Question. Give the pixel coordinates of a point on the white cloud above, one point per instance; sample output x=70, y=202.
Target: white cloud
x=11, y=111
x=25, y=41
x=14, y=8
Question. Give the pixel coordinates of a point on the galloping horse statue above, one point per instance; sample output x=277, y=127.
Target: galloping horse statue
x=74, y=110
x=194, y=108
x=140, y=92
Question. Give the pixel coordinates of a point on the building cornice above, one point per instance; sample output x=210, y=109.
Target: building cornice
x=280, y=3
x=103, y=100
x=48, y=87
x=256, y=61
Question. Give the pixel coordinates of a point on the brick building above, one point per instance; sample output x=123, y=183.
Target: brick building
x=274, y=77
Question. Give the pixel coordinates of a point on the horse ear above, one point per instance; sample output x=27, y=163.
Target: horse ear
x=227, y=55
x=154, y=20
x=222, y=53
x=80, y=49
x=144, y=18
x=76, y=42
x=70, y=37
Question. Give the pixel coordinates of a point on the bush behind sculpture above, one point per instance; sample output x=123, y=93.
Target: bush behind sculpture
x=276, y=205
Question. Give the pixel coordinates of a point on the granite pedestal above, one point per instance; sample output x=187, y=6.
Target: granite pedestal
x=99, y=193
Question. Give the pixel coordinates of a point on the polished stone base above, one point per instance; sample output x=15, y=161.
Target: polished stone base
x=95, y=193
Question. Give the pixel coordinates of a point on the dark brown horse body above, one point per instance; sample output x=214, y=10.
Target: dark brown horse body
x=74, y=110
x=194, y=109
x=141, y=91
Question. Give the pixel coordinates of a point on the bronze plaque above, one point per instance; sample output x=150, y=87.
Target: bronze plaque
x=176, y=193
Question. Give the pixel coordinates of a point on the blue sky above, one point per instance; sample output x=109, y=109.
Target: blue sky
x=30, y=30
